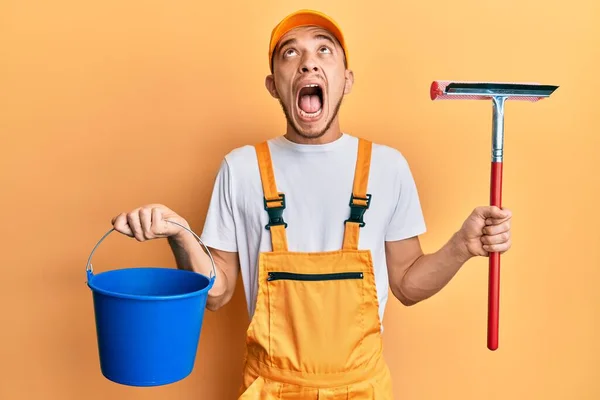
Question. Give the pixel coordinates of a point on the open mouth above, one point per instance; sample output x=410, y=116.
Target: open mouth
x=310, y=101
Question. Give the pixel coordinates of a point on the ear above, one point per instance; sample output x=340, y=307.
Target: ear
x=270, y=85
x=349, y=75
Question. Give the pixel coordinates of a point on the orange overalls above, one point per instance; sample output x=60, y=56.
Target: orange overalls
x=315, y=333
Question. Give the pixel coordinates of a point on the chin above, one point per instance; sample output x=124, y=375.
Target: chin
x=311, y=135
x=311, y=132
x=311, y=127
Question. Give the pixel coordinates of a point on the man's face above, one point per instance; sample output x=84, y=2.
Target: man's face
x=309, y=79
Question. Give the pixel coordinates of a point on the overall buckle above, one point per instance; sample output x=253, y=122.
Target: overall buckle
x=357, y=211
x=275, y=213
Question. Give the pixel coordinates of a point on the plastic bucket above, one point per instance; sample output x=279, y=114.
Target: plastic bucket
x=148, y=321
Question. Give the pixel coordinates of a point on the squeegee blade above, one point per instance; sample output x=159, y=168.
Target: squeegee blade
x=499, y=89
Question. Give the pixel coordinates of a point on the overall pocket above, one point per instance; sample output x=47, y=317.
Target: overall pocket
x=316, y=320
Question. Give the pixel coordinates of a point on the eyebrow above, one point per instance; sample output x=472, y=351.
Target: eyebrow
x=325, y=37
x=285, y=43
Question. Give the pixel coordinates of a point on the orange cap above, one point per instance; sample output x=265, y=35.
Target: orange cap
x=305, y=18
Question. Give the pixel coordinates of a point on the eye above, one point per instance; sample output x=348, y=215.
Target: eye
x=325, y=49
x=289, y=52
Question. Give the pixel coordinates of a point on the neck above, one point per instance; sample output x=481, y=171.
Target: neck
x=332, y=134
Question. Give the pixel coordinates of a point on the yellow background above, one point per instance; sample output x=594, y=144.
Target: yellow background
x=109, y=105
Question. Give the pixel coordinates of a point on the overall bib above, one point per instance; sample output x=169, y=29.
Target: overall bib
x=315, y=333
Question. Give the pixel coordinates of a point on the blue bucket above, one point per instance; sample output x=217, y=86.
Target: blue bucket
x=148, y=321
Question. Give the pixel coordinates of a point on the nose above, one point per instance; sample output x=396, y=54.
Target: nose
x=308, y=65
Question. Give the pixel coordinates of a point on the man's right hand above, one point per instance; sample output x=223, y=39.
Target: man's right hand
x=149, y=222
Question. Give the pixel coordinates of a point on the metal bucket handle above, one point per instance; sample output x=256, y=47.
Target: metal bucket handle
x=89, y=269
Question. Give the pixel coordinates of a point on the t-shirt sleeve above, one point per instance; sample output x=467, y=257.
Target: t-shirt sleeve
x=219, y=226
x=407, y=220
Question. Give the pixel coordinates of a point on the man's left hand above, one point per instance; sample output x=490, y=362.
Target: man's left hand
x=486, y=230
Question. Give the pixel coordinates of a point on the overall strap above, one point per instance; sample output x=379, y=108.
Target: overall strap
x=360, y=200
x=274, y=202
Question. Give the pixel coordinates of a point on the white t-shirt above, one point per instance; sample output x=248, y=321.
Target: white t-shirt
x=317, y=181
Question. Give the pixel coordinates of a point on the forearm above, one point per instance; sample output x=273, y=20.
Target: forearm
x=190, y=255
x=431, y=272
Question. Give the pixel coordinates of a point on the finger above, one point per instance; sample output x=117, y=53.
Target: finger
x=497, y=248
x=133, y=219
x=494, y=213
x=120, y=224
x=497, y=229
x=146, y=223
x=496, y=239
x=496, y=221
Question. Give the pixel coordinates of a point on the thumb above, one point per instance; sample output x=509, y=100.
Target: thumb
x=161, y=225
x=168, y=223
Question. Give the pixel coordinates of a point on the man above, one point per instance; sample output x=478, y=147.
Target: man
x=320, y=223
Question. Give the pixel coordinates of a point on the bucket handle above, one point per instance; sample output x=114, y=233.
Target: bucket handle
x=90, y=270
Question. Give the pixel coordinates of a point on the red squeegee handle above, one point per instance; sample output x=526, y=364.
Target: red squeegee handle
x=494, y=264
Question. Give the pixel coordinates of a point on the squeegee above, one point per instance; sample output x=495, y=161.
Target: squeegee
x=498, y=93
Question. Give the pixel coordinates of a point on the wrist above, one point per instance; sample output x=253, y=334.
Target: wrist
x=459, y=249
x=181, y=235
